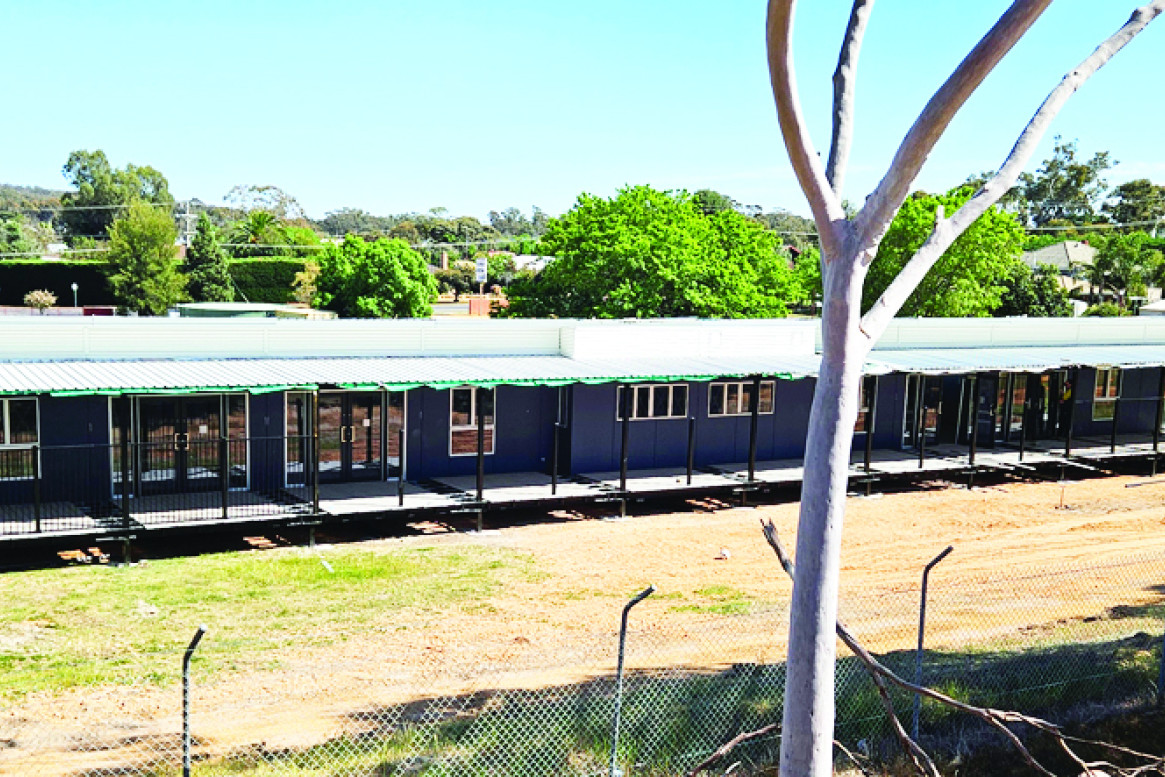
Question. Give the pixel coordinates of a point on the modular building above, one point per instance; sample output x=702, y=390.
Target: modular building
x=115, y=426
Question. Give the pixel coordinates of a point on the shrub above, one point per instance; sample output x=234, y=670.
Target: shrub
x=268, y=279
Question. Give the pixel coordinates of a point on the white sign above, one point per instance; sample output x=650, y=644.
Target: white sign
x=481, y=267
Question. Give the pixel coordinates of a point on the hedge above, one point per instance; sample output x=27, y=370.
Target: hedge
x=266, y=279
x=20, y=276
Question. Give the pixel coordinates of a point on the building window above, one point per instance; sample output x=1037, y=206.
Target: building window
x=725, y=399
x=668, y=400
x=1106, y=393
x=18, y=435
x=464, y=411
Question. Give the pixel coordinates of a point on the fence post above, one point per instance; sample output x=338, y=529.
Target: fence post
x=639, y=597
x=186, y=699
x=921, y=634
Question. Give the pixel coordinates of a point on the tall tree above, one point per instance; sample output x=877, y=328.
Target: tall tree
x=848, y=246
x=646, y=253
x=1139, y=204
x=207, y=266
x=1124, y=265
x=381, y=279
x=145, y=278
x=1065, y=189
x=965, y=281
x=1033, y=293
x=103, y=193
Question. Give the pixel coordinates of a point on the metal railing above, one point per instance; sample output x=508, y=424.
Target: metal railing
x=94, y=488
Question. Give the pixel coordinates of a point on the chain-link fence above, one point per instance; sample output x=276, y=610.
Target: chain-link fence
x=1060, y=643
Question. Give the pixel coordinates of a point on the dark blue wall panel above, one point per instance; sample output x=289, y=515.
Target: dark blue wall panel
x=267, y=446
x=524, y=422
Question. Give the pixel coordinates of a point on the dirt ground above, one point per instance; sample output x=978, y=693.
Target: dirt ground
x=556, y=627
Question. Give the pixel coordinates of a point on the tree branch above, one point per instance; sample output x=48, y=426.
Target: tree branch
x=875, y=217
x=826, y=207
x=844, y=87
x=997, y=719
x=946, y=231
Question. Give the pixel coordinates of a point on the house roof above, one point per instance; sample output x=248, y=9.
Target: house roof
x=1063, y=256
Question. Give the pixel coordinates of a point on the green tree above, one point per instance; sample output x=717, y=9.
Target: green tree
x=710, y=202
x=103, y=193
x=1036, y=294
x=17, y=236
x=1124, y=265
x=1065, y=188
x=380, y=279
x=207, y=266
x=647, y=253
x=965, y=281
x=145, y=277
x=1140, y=203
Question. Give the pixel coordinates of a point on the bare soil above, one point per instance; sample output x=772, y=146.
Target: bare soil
x=556, y=627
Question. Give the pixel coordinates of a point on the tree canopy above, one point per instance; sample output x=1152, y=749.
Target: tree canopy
x=1139, y=203
x=145, y=276
x=646, y=253
x=1065, y=189
x=1125, y=265
x=378, y=279
x=206, y=265
x=967, y=279
x=1033, y=293
x=102, y=193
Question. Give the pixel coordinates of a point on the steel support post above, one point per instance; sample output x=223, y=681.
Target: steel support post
x=922, y=633
x=479, y=401
x=754, y=415
x=625, y=410
x=400, y=467
x=691, y=447
x=1116, y=410
x=186, y=699
x=36, y=484
x=639, y=597
x=224, y=460
x=920, y=420
x=871, y=418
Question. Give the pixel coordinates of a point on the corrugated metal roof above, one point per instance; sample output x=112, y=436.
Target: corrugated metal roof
x=947, y=361
x=177, y=375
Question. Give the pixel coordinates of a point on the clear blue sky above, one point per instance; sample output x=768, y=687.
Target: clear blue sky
x=392, y=106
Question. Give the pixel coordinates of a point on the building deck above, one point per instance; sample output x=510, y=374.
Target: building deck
x=381, y=499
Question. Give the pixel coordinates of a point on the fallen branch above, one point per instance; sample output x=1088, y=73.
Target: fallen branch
x=997, y=719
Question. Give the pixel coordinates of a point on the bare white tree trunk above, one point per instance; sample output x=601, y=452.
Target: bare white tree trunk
x=807, y=731
x=847, y=248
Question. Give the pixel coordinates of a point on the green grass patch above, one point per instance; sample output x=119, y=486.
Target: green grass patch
x=74, y=626
x=718, y=600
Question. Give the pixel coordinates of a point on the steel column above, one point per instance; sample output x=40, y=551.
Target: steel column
x=639, y=597
x=754, y=414
x=315, y=447
x=1071, y=411
x=1023, y=421
x=691, y=446
x=625, y=409
x=477, y=404
x=36, y=484
x=871, y=418
x=400, y=469
x=920, y=419
x=224, y=463
x=126, y=425
x=1116, y=409
x=921, y=634
x=974, y=418
x=554, y=460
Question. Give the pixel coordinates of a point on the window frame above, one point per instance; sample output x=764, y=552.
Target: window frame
x=5, y=432
x=491, y=439
x=638, y=414
x=1106, y=393
x=6, y=425
x=742, y=388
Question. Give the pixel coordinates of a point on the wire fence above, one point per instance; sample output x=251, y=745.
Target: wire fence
x=1062, y=643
